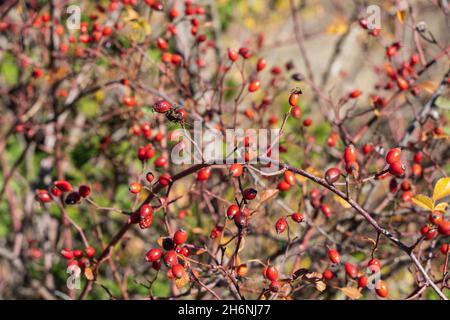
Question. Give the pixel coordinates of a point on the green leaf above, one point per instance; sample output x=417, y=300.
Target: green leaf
x=9, y=70
x=88, y=107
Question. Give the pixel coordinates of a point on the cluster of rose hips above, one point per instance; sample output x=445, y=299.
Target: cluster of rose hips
x=164, y=179
x=90, y=32
x=316, y=199
x=240, y=213
x=193, y=13
x=351, y=271
x=173, y=257
x=79, y=258
x=281, y=224
x=61, y=187
x=254, y=84
x=295, y=110
x=436, y=225
x=148, y=151
x=288, y=181
x=270, y=272
x=396, y=167
x=374, y=32
x=404, y=76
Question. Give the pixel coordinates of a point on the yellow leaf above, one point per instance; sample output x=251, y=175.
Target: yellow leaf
x=58, y=75
x=429, y=86
x=316, y=279
x=441, y=207
x=200, y=251
x=197, y=230
x=342, y=202
x=268, y=194
x=89, y=274
x=143, y=194
x=441, y=188
x=351, y=292
x=337, y=27
x=237, y=262
x=401, y=16
x=320, y=285
x=100, y=95
x=312, y=170
x=181, y=282
x=130, y=15
x=423, y=201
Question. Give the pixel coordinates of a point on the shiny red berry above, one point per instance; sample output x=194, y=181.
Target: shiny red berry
x=149, y=177
x=63, y=185
x=178, y=270
x=90, y=252
x=129, y=101
x=393, y=155
x=250, y=194
x=254, y=86
x=180, y=237
x=165, y=179
x=236, y=169
x=397, y=169
x=232, y=55
x=283, y=186
x=153, y=255
x=375, y=263
x=328, y=274
x=326, y=210
x=84, y=191
x=296, y=112
x=381, y=289
x=428, y=233
x=261, y=64
x=67, y=254
x=271, y=273
x=77, y=253
x=232, y=211
x=444, y=228
x=297, y=217
x=355, y=94
x=362, y=281
x=435, y=218
x=294, y=98
x=204, y=174
x=161, y=162
x=275, y=286
x=72, y=198
x=289, y=177
x=170, y=258
x=350, y=154
x=351, y=270
x=332, y=175
x=135, y=187
x=334, y=256
x=281, y=225
x=367, y=148
x=162, y=106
